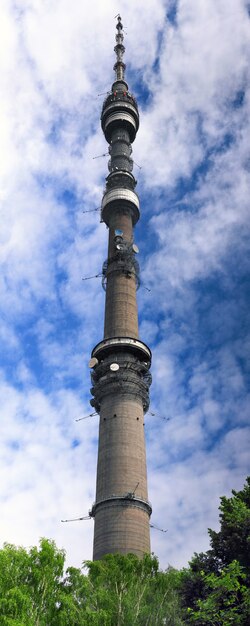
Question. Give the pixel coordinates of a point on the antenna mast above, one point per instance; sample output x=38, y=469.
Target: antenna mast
x=119, y=49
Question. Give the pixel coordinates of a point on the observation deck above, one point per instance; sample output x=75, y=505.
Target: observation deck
x=120, y=111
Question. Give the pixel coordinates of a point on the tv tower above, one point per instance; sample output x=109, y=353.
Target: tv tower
x=120, y=363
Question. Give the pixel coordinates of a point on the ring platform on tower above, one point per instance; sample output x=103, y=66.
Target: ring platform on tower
x=120, y=111
x=125, y=500
x=118, y=198
x=122, y=343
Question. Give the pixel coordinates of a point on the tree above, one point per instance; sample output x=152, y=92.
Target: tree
x=29, y=584
x=214, y=589
x=75, y=595
x=133, y=592
x=15, y=602
x=233, y=539
x=118, y=590
x=226, y=601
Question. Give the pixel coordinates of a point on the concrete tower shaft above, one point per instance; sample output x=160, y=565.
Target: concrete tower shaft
x=120, y=363
x=121, y=316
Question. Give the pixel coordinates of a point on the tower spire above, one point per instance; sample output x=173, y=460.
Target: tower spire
x=119, y=49
x=120, y=363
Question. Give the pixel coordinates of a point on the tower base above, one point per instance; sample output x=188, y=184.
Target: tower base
x=123, y=529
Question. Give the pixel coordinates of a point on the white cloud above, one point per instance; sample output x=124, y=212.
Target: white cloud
x=187, y=496
x=203, y=63
x=44, y=478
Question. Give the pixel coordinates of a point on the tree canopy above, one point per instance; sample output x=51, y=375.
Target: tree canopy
x=215, y=588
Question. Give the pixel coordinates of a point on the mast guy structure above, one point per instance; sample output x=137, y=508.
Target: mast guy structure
x=120, y=363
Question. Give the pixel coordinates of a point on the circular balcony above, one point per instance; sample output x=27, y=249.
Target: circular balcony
x=107, y=346
x=121, y=199
x=119, y=111
x=125, y=500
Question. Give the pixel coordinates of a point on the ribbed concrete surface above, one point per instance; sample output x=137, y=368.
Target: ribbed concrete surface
x=123, y=530
x=121, y=465
x=121, y=454
x=121, y=316
x=121, y=319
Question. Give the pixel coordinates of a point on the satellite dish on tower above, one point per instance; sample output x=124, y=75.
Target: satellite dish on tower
x=135, y=248
x=93, y=362
x=114, y=367
x=119, y=246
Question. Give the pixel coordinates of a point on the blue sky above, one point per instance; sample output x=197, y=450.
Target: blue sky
x=187, y=64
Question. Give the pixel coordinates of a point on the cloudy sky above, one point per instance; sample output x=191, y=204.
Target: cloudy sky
x=187, y=64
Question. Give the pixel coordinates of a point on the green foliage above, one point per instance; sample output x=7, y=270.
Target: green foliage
x=29, y=583
x=75, y=595
x=131, y=591
x=15, y=603
x=215, y=588
x=192, y=581
x=226, y=602
x=233, y=540
x=118, y=590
